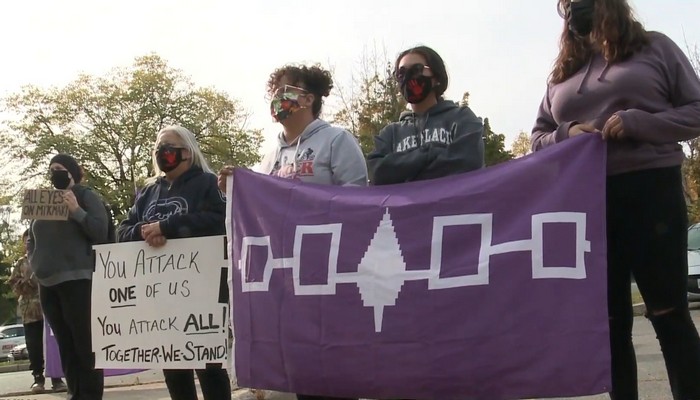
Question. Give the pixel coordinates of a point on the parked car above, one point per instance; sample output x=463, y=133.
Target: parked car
x=694, y=262
x=10, y=337
x=19, y=352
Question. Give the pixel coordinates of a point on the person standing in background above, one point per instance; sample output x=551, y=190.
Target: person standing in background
x=60, y=254
x=26, y=287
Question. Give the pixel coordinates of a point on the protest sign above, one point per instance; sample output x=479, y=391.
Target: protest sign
x=46, y=204
x=485, y=285
x=160, y=307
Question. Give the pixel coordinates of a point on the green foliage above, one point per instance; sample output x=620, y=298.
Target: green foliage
x=494, y=146
x=10, y=250
x=375, y=105
x=109, y=124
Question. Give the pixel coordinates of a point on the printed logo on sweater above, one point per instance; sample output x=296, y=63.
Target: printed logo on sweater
x=285, y=168
x=161, y=209
x=439, y=135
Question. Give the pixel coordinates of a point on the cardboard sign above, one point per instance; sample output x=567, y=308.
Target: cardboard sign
x=46, y=204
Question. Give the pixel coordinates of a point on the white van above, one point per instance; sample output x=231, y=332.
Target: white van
x=10, y=336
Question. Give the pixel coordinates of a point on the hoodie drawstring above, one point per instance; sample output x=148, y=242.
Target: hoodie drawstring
x=585, y=76
x=296, y=153
x=601, y=76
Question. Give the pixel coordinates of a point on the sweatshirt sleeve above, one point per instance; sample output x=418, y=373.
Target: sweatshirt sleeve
x=387, y=167
x=129, y=230
x=208, y=219
x=682, y=120
x=546, y=131
x=465, y=152
x=93, y=219
x=347, y=162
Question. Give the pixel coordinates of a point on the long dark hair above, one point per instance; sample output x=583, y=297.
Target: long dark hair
x=616, y=32
x=437, y=66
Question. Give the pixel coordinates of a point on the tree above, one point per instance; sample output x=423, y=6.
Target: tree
x=10, y=251
x=494, y=146
x=373, y=101
x=691, y=165
x=521, y=145
x=109, y=124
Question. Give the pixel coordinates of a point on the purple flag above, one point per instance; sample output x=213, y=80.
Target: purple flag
x=486, y=285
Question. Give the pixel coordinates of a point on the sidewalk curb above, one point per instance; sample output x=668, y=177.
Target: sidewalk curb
x=639, y=309
x=14, y=368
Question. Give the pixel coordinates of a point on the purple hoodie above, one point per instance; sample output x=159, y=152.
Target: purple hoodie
x=656, y=92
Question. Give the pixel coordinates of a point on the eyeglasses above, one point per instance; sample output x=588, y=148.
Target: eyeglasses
x=167, y=147
x=279, y=92
x=413, y=70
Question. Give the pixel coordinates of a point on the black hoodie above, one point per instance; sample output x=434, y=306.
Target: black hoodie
x=192, y=206
x=446, y=140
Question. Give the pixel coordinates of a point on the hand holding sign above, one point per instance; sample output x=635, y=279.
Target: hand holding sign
x=152, y=234
x=70, y=200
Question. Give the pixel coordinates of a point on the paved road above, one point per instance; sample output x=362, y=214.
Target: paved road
x=653, y=383
x=18, y=382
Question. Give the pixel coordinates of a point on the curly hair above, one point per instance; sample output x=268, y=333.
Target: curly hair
x=616, y=32
x=314, y=79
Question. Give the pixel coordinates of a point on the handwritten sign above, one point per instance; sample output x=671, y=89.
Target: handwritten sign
x=160, y=308
x=44, y=204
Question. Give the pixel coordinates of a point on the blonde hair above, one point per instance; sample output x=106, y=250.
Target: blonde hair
x=189, y=142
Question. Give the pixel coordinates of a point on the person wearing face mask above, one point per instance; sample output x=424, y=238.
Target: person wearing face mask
x=436, y=138
x=60, y=254
x=638, y=90
x=181, y=201
x=308, y=148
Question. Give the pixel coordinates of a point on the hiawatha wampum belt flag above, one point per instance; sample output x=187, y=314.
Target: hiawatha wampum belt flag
x=486, y=285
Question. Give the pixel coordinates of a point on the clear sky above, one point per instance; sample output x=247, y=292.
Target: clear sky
x=500, y=51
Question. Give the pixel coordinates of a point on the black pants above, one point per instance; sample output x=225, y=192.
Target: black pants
x=67, y=308
x=213, y=380
x=308, y=397
x=34, y=337
x=647, y=238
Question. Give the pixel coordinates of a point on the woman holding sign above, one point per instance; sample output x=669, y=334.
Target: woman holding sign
x=60, y=254
x=182, y=201
x=638, y=91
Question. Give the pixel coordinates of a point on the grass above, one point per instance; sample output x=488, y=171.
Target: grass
x=17, y=362
x=636, y=296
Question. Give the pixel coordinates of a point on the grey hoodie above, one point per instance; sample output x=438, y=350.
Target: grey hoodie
x=322, y=154
x=61, y=251
x=446, y=140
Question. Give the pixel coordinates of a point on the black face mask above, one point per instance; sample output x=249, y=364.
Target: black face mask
x=415, y=87
x=168, y=157
x=580, y=17
x=60, y=179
